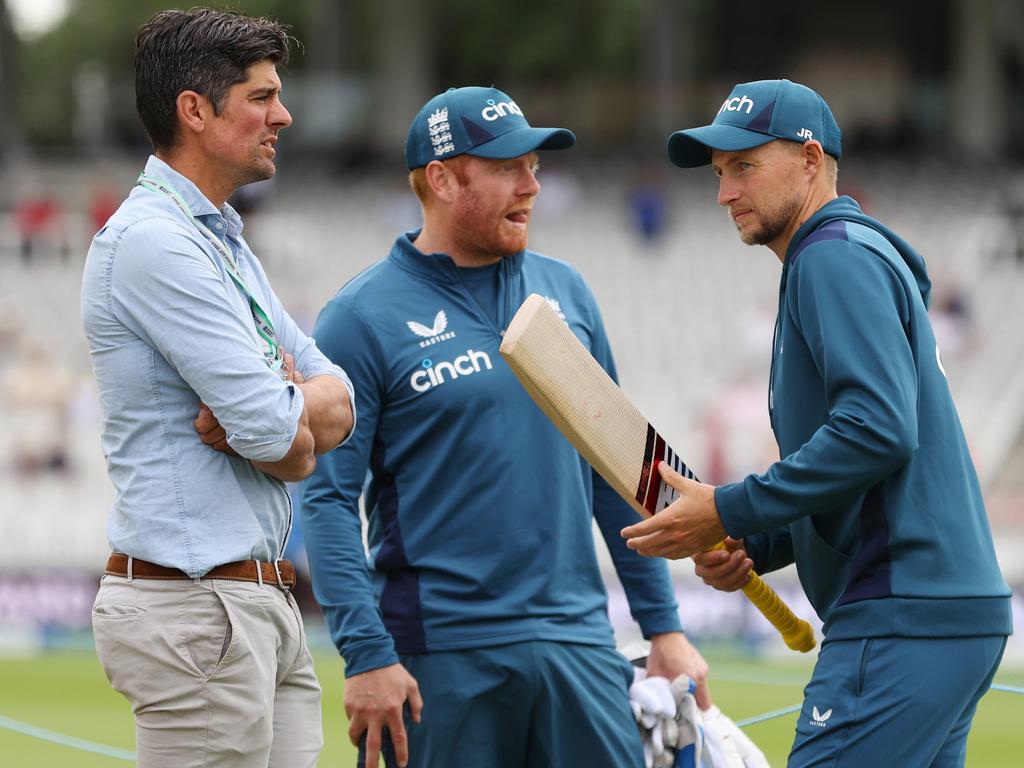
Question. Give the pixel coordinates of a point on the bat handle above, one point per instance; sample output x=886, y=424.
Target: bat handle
x=796, y=632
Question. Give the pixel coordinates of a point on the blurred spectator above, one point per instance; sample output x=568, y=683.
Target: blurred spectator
x=103, y=202
x=1014, y=212
x=38, y=393
x=648, y=209
x=40, y=227
x=952, y=319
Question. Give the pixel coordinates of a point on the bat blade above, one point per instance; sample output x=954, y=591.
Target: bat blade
x=588, y=407
x=610, y=432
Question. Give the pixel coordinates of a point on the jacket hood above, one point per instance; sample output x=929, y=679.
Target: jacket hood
x=845, y=208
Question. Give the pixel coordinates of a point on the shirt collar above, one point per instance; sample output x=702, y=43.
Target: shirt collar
x=200, y=206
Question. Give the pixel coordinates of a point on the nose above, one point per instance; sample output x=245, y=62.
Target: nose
x=529, y=186
x=727, y=190
x=279, y=117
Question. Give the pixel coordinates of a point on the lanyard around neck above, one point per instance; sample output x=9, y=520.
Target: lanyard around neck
x=264, y=327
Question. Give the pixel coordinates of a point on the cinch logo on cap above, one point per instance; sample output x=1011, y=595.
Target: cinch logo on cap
x=736, y=103
x=496, y=109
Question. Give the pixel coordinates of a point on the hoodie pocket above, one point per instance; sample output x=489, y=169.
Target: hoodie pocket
x=824, y=571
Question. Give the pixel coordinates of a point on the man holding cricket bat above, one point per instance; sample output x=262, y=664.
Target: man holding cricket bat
x=875, y=498
x=477, y=633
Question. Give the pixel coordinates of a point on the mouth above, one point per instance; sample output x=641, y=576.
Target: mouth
x=520, y=216
x=268, y=143
x=739, y=214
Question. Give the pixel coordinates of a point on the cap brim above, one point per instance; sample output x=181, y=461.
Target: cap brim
x=520, y=141
x=692, y=148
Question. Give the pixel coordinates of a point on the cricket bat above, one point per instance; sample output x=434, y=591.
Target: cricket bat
x=610, y=432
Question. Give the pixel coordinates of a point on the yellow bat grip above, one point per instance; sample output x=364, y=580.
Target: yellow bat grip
x=796, y=632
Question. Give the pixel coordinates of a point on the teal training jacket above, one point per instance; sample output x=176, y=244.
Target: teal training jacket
x=875, y=498
x=480, y=512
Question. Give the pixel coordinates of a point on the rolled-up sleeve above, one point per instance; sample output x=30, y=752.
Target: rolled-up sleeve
x=309, y=360
x=170, y=292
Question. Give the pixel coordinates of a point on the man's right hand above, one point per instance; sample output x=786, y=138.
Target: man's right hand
x=211, y=432
x=725, y=569
x=374, y=700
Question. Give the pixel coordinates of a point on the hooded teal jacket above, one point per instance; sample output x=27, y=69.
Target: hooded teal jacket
x=875, y=497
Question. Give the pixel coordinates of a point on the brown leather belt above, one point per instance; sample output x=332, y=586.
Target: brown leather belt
x=280, y=573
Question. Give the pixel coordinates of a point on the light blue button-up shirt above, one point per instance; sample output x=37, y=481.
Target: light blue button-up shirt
x=168, y=328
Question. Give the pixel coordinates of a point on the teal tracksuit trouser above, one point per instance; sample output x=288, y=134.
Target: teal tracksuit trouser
x=894, y=702
x=524, y=705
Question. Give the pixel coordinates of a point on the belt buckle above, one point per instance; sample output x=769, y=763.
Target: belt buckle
x=280, y=581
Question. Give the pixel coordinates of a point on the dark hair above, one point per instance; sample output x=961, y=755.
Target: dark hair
x=201, y=50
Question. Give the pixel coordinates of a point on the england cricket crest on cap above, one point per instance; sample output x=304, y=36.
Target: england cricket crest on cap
x=440, y=132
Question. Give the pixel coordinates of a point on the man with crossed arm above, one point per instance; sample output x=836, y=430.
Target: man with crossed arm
x=212, y=399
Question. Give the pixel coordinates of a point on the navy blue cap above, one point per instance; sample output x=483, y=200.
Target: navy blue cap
x=477, y=121
x=754, y=114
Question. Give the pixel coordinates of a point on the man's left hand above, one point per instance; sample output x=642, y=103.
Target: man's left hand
x=690, y=524
x=672, y=655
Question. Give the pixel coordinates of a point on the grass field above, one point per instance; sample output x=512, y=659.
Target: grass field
x=67, y=692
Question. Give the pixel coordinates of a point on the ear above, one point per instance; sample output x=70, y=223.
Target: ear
x=813, y=156
x=442, y=181
x=193, y=111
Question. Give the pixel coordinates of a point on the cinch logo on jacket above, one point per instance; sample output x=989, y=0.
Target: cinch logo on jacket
x=435, y=374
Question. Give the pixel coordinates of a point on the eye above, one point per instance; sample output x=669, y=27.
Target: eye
x=742, y=166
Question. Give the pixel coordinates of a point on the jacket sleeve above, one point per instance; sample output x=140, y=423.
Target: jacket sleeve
x=332, y=527
x=646, y=581
x=852, y=311
x=770, y=551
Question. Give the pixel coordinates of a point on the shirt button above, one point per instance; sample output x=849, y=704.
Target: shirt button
x=219, y=225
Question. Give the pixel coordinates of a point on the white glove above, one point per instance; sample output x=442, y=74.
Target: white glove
x=655, y=699
x=653, y=708
x=689, y=742
x=726, y=746
x=677, y=734
x=750, y=755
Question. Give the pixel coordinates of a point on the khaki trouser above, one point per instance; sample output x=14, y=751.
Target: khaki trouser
x=217, y=672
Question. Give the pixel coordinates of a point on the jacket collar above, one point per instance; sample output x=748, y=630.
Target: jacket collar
x=436, y=266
